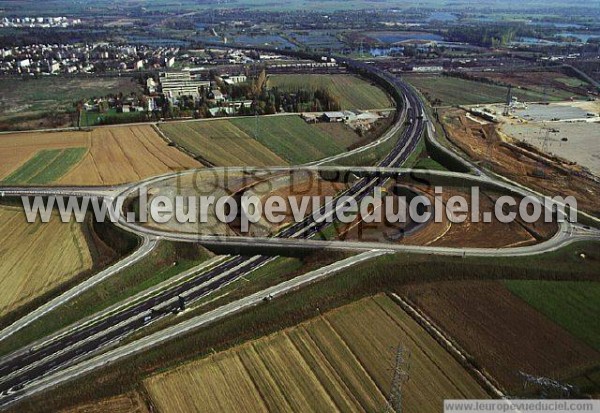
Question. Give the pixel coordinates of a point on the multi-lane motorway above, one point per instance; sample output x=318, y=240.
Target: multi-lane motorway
x=19, y=370
x=22, y=371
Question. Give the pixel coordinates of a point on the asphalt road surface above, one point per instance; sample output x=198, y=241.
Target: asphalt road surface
x=24, y=368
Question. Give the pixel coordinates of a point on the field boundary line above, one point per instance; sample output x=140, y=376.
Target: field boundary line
x=483, y=378
x=145, y=343
x=172, y=143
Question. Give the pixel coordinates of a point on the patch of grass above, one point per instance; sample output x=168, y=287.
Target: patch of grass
x=167, y=260
x=276, y=271
x=48, y=96
x=571, y=81
x=340, y=132
x=351, y=91
x=430, y=164
x=221, y=142
x=46, y=166
x=573, y=305
x=450, y=91
x=371, y=156
x=291, y=138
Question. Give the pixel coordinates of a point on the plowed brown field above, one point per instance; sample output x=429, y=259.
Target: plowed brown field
x=503, y=333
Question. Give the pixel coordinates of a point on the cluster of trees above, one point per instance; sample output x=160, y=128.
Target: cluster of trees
x=260, y=100
x=33, y=35
x=304, y=100
x=489, y=35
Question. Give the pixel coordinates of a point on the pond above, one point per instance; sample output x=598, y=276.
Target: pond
x=395, y=37
x=442, y=16
x=262, y=40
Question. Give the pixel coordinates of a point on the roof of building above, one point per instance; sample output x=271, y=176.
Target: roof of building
x=334, y=114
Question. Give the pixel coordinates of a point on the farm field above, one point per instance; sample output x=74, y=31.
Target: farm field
x=29, y=267
x=447, y=91
x=339, y=361
x=281, y=140
x=221, y=143
x=19, y=148
x=125, y=403
x=556, y=85
x=48, y=165
x=503, y=333
x=124, y=154
x=291, y=138
x=104, y=156
x=38, y=103
x=573, y=305
x=340, y=132
x=351, y=92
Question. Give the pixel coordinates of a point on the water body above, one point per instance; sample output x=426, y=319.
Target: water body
x=582, y=37
x=263, y=40
x=318, y=39
x=442, y=16
x=385, y=51
x=535, y=41
x=558, y=25
x=156, y=41
x=395, y=37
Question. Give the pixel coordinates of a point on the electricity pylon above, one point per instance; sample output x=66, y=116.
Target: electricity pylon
x=401, y=376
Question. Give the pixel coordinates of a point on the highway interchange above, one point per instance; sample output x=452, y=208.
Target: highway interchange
x=36, y=367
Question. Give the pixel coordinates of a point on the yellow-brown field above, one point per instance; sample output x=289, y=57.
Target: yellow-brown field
x=116, y=154
x=340, y=361
x=124, y=403
x=126, y=154
x=17, y=148
x=29, y=267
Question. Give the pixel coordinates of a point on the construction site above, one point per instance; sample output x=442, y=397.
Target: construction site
x=552, y=147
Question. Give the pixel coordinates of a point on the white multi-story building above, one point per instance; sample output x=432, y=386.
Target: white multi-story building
x=176, y=84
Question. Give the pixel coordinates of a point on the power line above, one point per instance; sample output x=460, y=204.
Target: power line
x=401, y=376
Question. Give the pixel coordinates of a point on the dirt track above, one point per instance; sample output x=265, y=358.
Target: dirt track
x=481, y=142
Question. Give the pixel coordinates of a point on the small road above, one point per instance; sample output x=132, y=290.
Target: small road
x=70, y=355
x=21, y=370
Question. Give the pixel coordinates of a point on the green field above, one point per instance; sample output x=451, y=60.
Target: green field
x=46, y=166
x=454, y=91
x=351, y=92
x=291, y=138
x=24, y=100
x=571, y=81
x=281, y=140
x=221, y=143
x=573, y=305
